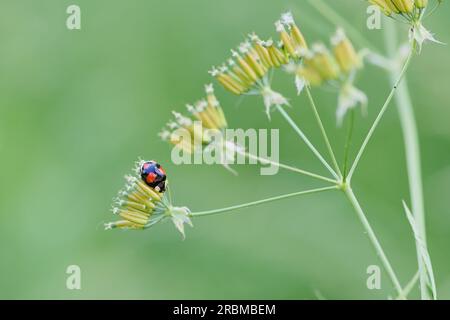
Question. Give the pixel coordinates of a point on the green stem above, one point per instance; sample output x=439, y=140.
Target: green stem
x=412, y=151
x=409, y=286
x=322, y=129
x=306, y=140
x=348, y=143
x=381, y=113
x=376, y=244
x=407, y=121
x=255, y=203
x=284, y=166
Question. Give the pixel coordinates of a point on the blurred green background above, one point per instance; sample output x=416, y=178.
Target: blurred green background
x=78, y=107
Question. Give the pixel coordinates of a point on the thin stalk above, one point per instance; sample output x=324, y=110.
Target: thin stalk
x=255, y=203
x=322, y=129
x=409, y=286
x=412, y=151
x=286, y=167
x=381, y=113
x=348, y=143
x=376, y=244
x=306, y=140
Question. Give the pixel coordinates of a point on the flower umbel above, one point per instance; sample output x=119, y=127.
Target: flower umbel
x=248, y=69
x=336, y=67
x=204, y=135
x=411, y=12
x=140, y=206
x=208, y=111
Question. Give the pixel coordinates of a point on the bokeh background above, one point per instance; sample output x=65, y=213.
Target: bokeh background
x=78, y=107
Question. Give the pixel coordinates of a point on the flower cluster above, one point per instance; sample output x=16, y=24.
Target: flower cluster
x=320, y=65
x=203, y=129
x=141, y=206
x=411, y=11
x=336, y=67
x=255, y=57
x=408, y=8
x=209, y=116
x=246, y=71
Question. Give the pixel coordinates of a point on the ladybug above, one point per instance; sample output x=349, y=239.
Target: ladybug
x=153, y=175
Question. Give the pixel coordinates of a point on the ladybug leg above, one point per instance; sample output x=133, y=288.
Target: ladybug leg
x=161, y=186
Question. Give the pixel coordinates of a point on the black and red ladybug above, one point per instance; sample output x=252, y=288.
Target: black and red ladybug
x=153, y=175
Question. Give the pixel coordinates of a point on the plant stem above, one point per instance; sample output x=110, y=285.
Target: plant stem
x=293, y=169
x=348, y=143
x=322, y=129
x=387, y=266
x=306, y=140
x=407, y=121
x=255, y=203
x=409, y=286
x=412, y=151
x=381, y=113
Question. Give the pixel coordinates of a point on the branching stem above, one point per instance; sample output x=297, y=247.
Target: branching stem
x=381, y=113
x=322, y=130
x=255, y=203
x=286, y=167
x=376, y=244
x=306, y=140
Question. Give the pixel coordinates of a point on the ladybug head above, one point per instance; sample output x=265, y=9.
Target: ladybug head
x=153, y=175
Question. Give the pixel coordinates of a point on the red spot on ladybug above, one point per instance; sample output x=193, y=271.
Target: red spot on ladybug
x=151, y=177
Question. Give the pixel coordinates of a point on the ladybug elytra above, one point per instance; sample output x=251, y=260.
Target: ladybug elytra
x=153, y=175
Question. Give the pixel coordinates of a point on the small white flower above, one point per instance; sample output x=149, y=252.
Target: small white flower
x=253, y=37
x=172, y=125
x=349, y=98
x=182, y=120
x=180, y=217
x=244, y=47
x=164, y=135
x=420, y=34
x=190, y=108
x=223, y=68
x=213, y=72
x=209, y=88
x=287, y=18
x=279, y=26
x=272, y=98
x=300, y=84
x=201, y=105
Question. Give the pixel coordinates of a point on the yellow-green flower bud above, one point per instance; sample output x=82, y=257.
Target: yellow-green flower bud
x=386, y=6
x=263, y=55
x=296, y=35
x=310, y=75
x=245, y=66
x=286, y=39
x=404, y=6
x=421, y=3
x=344, y=52
x=323, y=62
